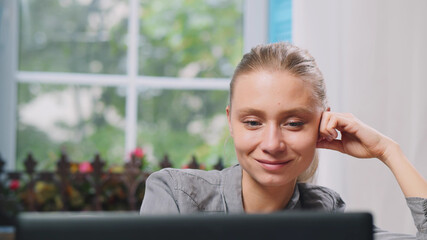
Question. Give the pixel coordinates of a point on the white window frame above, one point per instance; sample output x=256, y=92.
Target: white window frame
x=254, y=32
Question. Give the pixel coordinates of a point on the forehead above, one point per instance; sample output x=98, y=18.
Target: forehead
x=271, y=90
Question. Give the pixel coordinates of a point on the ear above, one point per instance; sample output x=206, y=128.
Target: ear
x=227, y=110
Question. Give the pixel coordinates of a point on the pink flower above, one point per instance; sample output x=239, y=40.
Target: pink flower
x=85, y=167
x=14, y=184
x=138, y=152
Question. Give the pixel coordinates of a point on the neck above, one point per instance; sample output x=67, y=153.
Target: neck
x=264, y=199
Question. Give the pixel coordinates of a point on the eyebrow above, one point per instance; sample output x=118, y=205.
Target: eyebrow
x=292, y=111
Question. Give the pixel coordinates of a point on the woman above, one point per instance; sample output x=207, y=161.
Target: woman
x=278, y=115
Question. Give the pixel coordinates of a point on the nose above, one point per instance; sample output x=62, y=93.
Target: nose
x=272, y=140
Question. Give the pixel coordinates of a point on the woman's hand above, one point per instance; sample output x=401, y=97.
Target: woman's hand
x=357, y=139
x=362, y=141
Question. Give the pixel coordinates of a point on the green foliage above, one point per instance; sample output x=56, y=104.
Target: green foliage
x=66, y=36
x=85, y=138
x=180, y=123
x=187, y=38
x=32, y=140
x=29, y=92
x=205, y=34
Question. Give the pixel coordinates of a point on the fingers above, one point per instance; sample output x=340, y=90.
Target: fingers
x=331, y=125
x=323, y=132
x=331, y=122
x=327, y=127
x=328, y=132
x=357, y=139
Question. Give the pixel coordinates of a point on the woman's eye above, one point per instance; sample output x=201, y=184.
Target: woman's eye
x=296, y=124
x=252, y=123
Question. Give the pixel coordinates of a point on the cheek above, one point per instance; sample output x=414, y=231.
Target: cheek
x=303, y=142
x=244, y=140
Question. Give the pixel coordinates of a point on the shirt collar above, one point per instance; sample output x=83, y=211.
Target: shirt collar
x=232, y=191
x=294, y=202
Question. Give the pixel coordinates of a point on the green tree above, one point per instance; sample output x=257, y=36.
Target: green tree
x=184, y=38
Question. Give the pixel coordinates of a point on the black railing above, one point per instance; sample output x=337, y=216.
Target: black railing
x=68, y=188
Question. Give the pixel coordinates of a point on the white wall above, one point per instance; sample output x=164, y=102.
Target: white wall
x=373, y=54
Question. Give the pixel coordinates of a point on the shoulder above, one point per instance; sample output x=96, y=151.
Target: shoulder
x=192, y=190
x=179, y=178
x=320, y=198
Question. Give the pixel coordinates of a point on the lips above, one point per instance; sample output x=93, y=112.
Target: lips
x=272, y=165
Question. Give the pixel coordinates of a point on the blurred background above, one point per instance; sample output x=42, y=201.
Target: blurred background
x=113, y=76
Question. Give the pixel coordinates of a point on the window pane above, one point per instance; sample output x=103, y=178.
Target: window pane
x=196, y=38
x=184, y=123
x=79, y=120
x=85, y=36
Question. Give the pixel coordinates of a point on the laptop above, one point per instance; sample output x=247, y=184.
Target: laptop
x=129, y=226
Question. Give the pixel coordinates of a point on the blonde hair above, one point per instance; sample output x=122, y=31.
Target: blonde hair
x=294, y=60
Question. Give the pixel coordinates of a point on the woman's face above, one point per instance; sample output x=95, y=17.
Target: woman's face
x=274, y=122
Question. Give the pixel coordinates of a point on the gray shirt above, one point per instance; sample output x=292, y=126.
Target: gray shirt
x=177, y=191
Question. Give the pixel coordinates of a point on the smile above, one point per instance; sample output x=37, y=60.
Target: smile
x=272, y=166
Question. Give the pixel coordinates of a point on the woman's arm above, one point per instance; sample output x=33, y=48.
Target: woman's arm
x=410, y=180
x=362, y=141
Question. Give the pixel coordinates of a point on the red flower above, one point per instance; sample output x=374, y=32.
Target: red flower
x=85, y=167
x=138, y=152
x=14, y=184
x=185, y=166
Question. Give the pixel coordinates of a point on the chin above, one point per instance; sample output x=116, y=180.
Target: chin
x=274, y=181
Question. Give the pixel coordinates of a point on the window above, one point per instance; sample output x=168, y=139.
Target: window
x=107, y=76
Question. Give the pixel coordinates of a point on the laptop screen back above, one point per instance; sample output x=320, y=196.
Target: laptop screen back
x=128, y=226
